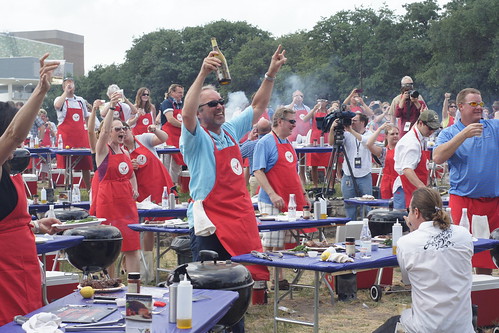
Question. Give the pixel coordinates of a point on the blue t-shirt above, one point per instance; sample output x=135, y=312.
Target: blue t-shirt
x=473, y=167
x=198, y=151
x=168, y=104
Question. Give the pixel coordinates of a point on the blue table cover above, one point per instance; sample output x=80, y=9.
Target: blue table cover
x=58, y=243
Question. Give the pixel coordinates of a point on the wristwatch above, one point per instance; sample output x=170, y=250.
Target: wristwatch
x=112, y=108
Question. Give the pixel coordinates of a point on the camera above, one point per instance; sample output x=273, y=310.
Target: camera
x=413, y=93
x=345, y=119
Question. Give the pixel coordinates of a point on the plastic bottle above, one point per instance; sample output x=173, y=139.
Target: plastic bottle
x=31, y=142
x=184, y=304
x=449, y=212
x=465, y=222
x=164, y=198
x=317, y=210
x=365, y=241
x=51, y=213
x=37, y=142
x=292, y=208
x=171, y=200
x=60, y=144
x=396, y=234
x=43, y=196
x=76, y=196
x=223, y=73
x=172, y=292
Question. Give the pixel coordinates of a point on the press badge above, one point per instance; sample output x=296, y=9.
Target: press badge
x=407, y=126
x=357, y=162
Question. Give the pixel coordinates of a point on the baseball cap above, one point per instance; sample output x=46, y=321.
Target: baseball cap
x=430, y=118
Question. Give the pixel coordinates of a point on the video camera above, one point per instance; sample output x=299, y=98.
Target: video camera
x=344, y=116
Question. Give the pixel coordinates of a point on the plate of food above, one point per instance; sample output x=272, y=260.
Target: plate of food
x=103, y=285
x=268, y=218
x=91, y=220
x=366, y=197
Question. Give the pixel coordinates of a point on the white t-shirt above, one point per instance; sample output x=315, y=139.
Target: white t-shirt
x=355, y=148
x=437, y=264
x=75, y=102
x=408, y=151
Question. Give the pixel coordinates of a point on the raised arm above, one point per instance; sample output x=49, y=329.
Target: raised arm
x=445, y=107
x=101, y=147
x=370, y=144
x=160, y=135
x=92, y=136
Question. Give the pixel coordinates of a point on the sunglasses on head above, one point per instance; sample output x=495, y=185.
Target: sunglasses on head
x=214, y=103
x=121, y=128
x=291, y=121
x=145, y=94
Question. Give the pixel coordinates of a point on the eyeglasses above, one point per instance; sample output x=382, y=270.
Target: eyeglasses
x=475, y=104
x=121, y=128
x=291, y=121
x=453, y=106
x=214, y=103
x=145, y=94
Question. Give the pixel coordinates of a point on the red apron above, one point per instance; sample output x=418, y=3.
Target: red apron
x=151, y=174
x=118, y=112
x=421, y=171
x=302, y=127
x=229, y=207
x=115, y=199
x=46, y=137
x=142, y=123
x=20, y=280
x=389, y=175
x=318, y=159
x=480, y=206
x=74, y=135
x=174, y=135
x=95, y=190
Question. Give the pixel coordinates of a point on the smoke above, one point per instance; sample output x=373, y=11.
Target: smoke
x=237, y=103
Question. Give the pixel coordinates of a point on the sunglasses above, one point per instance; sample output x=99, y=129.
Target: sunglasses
x=453, y=106
x=121, y=128
x=475, y=104
x=214, y=103
x=145, y=94
x=291, y=121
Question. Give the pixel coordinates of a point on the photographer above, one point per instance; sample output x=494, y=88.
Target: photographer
x=408, y=109
x=359, y=158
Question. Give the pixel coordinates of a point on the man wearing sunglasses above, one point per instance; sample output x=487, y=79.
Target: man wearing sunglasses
x=471, y=149
x=449, y=109
x=411, y=157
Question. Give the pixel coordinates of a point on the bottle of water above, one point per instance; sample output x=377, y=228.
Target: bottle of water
x=465, y=221
x=51, y=213
x=292, y=208
x=365, y=241
x=76, y=194
x=60, y=144
x=164, y=198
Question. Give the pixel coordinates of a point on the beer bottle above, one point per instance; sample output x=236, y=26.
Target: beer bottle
x=223, y=73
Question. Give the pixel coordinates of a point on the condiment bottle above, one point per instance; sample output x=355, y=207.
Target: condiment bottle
x=292, y=208
x=43, y=196
x=396, y=234
x=172, y=294
x=134, y=282
x=51, y=213
x=350, y=246
x=171, y=200
x=365, y=241
x=306, y=212
x=223, y=73
x=164, y=198
x=184, y=304
x=465, y=222
x=317, y=210
x=60, y=144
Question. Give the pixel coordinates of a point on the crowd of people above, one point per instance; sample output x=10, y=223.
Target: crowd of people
x=221, y=216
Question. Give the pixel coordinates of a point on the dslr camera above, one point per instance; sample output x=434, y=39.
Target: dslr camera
x=413, y=93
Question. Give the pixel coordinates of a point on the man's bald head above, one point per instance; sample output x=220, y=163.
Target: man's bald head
x=263, y=126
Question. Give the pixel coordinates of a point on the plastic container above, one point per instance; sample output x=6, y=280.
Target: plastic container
x=292, y=208
x=365, y=241
x=164, y=198
x=184, y=304
x=43, y=196
x=465, y=221
x=396, y=234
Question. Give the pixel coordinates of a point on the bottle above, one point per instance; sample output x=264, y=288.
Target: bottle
x=43, y=196
x=60, y=144
x=172, y=292
x=465, y=222
x=134, y=283
x=164, y=198
x=76, y=194
x=171, y=200
x=51, y=213
x=317, y=210
x=31, y=142
x=37, y=142
x=184, y=304
x=292, y=208
x=306, y=212
x=449, y=212
x=52, y=142
x=350, y=246
x=365, y=241
x=396, y=234
x=223, y=73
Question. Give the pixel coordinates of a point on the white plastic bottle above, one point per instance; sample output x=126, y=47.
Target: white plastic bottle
x=51, y=213
x=465, y=222
x=60, y=144
x=76, y=196
x=184, y=304
x=43, y=196
x=449, y=212
x=164, y=198
x=292, y=208
x=396, y=234
x=365, y=241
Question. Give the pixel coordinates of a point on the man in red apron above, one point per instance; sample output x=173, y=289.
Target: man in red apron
x=211, y=151
x=411, y=159
x=171, y=120
x=72, y=115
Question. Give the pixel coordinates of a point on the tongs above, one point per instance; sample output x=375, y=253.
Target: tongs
x=261, y=255
x=103, y=325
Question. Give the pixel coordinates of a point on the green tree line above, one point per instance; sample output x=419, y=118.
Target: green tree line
x=442, y=49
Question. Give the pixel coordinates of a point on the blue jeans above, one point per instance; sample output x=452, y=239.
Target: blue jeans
x=365, y=185
x=399, y=199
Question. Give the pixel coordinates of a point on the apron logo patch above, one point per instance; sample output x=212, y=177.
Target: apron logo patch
x=123, y=168
x=76, y=117
x=116, y=114
x=145, y=121
x=179, y=117
x=289, y=156
x=236, y=166
x=141, y=159
x=301, y=116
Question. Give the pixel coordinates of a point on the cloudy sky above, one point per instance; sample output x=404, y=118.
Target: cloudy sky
x=109, y=26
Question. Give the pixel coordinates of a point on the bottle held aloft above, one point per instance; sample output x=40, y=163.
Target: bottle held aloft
x=223, y=73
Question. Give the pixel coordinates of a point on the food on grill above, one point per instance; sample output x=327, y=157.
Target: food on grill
x=101, y=283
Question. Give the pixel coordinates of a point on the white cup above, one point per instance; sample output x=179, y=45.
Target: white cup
x=312, y=254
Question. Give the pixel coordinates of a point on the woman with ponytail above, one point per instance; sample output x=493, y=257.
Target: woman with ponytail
x=435, y=259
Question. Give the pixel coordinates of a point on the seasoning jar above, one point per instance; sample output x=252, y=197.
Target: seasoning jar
x=306, y=212
x=35, y=199
x=350, y=246
x=134, y=283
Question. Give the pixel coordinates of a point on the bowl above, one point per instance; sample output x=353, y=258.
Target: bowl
x=313, y=254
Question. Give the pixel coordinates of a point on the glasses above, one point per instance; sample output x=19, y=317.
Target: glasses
x=298, y=96
x=475, y=104
x=121, y=128
x=453, y=106
x=145, y=94
x=214, y=103
x=291, y=121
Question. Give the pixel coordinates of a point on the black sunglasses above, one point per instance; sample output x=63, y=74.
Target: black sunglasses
x=214, y=103
x=121, y=128
x=291, y=121
x=145, y=94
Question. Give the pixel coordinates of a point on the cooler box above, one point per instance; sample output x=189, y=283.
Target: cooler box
x=485, y=294
x=60, y=284
x=184, y=179
x=49, y=261
x=30, y=183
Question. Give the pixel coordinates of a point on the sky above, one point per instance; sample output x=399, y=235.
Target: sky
x=110, y=26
